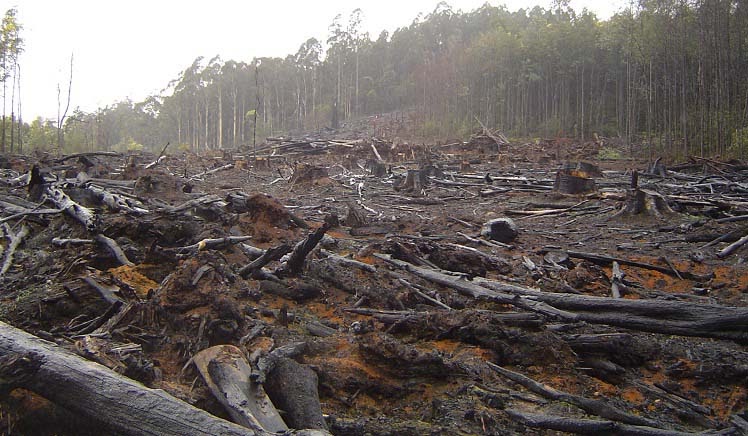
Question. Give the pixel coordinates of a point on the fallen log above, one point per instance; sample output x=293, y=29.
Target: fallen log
x=114, y=249
x=64, y=242
x=115, y=202
x=683, y=407
x=741, y=425
x=488, y=243
x=425, y=320
x=608, y=260
x=420, y=291
x=88, y=153
x=213, y=171
x=19, y=207
x=656, y=316
x=348, y=262
x=251, y=251
x=617, y=287
x=732, y=236
x=108, y=293
x=295, y=262
x=120, y=405
x=500, y=141
x=21, y=214
x=21, y=180
x=212, y=244
x=270, y=255
x=228, y=376
x=204, y=201
x=588, y=426
x=82, y=214
x=293, y=388
x=732, y=247
x=732, y=219
x=550, y=211
x=15, y=240
x=160, y=157
x=618, y=347
x=595, y=407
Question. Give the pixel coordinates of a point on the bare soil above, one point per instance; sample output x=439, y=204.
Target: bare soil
x=421, y=368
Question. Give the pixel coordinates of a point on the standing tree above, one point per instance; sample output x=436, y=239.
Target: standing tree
x=307, y=61
x=257, y=107
x=337, y=43
x=61, y=116
x=11, y=46
x=354, y=32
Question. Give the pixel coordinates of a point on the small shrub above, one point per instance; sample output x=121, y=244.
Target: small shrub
x=609, y=153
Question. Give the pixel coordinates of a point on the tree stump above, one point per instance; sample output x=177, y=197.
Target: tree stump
x=583, y=169
x=639, y=201
x=571, y=182
x=307, y=175
x=657, y=168
x=415, y=180
x=577, y=178
x=376, y=168
x=643, y=201
x=261, y=163
x=500, y=229
x=432, y=171
x=356, y=217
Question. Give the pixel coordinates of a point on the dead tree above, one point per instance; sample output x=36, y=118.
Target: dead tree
x=643, y=201
x=119, y=404
x=573, y=182
x=116, y=403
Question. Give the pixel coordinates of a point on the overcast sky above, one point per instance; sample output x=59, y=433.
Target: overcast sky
x=134, y=48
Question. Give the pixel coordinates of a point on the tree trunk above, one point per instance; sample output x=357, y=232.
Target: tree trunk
x=120, y=404
x=229, y=377
x=220, y=118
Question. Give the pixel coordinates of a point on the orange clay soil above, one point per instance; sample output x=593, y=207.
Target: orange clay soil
x=416, y=367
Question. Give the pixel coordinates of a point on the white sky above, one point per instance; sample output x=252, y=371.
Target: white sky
x=133, y=48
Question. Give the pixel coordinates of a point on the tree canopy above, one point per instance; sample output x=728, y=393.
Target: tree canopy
x=670, y=76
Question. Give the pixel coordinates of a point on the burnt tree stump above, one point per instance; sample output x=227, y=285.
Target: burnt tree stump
x=415, y=181
x=307, y=174
x=643, y=201
x=568, y=182
x=355, y=217
x=376, y=168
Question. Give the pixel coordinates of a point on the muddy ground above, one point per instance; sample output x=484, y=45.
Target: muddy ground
x=395, y=354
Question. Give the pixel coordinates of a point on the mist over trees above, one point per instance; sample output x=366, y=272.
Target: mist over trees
x=667, y=76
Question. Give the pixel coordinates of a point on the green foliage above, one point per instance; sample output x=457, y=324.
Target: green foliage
x=672, y=72
x=739, y=146
x=40, y=135
x=609, y=153
x=432, y=129
x=128, y=144
x=11, y=44
x=465, y=128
